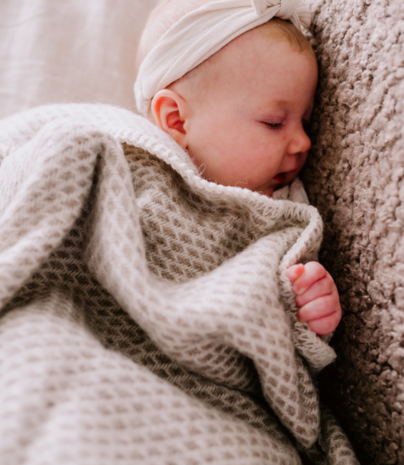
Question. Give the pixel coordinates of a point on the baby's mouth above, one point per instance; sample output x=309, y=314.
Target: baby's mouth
x=282, y=178
x=279, y=178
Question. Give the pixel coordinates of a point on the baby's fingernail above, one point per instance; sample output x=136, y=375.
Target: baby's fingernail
x=298, y=290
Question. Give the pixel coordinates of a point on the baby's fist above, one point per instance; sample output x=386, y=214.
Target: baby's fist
x=317, y=296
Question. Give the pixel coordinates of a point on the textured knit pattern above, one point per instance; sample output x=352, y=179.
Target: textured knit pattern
x=94, y=244
x=355, y=178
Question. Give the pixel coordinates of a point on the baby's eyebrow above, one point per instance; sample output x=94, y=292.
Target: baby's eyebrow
x=281, y=102
x=275, y=103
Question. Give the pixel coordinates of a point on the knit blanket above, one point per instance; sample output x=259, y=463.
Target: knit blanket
x=146, y=316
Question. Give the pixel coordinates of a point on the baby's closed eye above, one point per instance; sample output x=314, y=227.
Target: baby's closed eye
x=274, y=125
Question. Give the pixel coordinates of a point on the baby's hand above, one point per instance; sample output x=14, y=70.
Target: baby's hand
x=317, y=296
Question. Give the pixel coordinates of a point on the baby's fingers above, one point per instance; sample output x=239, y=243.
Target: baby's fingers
x=319, y=308
x=320, y=288
x=313, y=272
x=326, y=325
x=323, y=314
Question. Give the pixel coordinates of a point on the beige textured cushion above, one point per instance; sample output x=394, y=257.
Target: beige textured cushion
x=355, y=178
x=70, y=51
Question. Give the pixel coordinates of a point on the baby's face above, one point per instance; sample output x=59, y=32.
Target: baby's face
x=248, y=130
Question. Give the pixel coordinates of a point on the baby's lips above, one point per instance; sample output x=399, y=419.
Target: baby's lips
x=279, y=178
x=284, y=178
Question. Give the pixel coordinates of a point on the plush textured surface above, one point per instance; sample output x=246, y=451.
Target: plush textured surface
x=356, y=179
x=92, y=245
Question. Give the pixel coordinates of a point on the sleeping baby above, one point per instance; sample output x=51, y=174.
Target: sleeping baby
x=153, y=271
x=237, y=97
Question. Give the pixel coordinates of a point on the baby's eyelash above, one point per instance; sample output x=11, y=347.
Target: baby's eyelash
x=274, y=125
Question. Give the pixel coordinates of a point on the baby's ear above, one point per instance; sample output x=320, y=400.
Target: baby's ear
x=169, y=110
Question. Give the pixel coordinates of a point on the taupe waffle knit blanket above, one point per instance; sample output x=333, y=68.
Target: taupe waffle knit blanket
x=146, y=315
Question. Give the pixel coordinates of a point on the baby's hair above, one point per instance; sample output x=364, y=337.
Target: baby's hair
x=280, y=29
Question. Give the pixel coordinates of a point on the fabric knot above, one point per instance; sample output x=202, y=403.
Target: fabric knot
x=287, y=8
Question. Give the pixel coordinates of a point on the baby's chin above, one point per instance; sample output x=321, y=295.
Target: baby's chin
x=279, y=181
x=270, y=188
x=267, y=191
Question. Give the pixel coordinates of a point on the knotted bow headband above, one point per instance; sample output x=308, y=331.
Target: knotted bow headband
x=203, y=32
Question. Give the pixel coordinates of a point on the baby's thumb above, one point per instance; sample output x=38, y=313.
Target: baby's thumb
x=295, y=271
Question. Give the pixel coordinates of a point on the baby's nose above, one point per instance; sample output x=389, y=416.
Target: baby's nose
x=300, y=142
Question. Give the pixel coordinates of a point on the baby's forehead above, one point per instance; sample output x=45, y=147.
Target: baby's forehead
x=247, y=67
x=247, y=61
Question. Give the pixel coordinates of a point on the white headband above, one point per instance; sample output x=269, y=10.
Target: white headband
x=203, y=32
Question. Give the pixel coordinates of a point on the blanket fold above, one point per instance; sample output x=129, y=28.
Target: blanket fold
x=162, y=298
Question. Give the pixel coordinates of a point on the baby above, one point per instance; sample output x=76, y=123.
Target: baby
x=240, y=108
